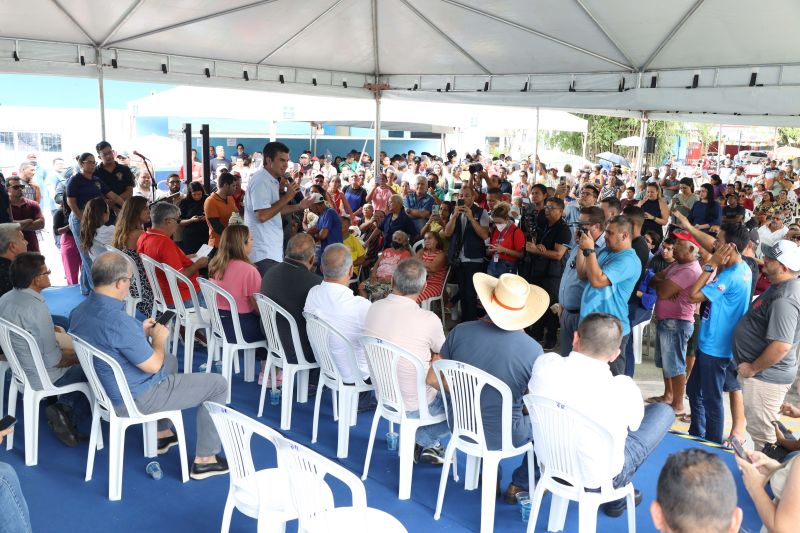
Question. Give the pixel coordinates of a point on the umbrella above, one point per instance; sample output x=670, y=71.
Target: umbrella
x=614, y=158
x=632, y=142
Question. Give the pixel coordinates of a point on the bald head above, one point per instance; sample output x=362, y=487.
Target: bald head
x=300, y=248
x=109, y=268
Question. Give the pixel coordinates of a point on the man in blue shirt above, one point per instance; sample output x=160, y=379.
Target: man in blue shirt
x=150, y=370
x=329, y=226
x=419, y=204
x=725, y=287
x=571, y=289
x=611, y=275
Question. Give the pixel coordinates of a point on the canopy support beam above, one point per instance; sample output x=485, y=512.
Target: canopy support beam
x=607, y=34
x=446, y=37
x=75, y=22
x=377, y=89
x=376, y=56
x=670, y=35
x=301, y=31
x=122, y=20
x=642, y=134
x=526, y=29
x=101, y=96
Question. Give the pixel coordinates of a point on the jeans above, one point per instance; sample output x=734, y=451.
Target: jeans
x=14, y=517
x=428, y=436
x=672, y=338
x=658, y=418
x=77, y=401
x=636, y=315
x=498, y=268
x=704, y=389
x=250, y=325
x=569, y=324
x=521, y=432
x=86, y=262
x=189, y=304
x=549, y=320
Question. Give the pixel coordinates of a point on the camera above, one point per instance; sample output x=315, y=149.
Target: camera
x=474, y=168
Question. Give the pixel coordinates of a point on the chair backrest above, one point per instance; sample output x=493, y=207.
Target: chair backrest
x=235, y=431
x=465, y=383
x=151, y=269
x=135, y=294
x=560, y=434
x=89, y=356
x=7, y=331
x=320, y=334
x=417, y=246
x=174, y=279
x=269, y=311
x=383, y=359
x=210, y=292
x=306, y=471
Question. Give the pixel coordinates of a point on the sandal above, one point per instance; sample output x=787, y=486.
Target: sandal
x=686, y=418
x=655, y=399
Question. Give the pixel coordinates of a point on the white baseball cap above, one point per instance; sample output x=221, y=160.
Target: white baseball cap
x=316, y=198
x=785, y=252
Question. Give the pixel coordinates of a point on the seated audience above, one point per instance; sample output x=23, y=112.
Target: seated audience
x=379, y=283
x=435, y=261
x=584, y=381
x=25, y=307
x=232, y=270
x=695, y=494
x=499, y=345
x=193, y=219
x=421, y=335
x=150, y=370
x=781, y=512
x=353, y=243
x=397, y=219
x=12, y=243
x=157, y=243
x=218, y=208
x=95, y=233
x=134, y=215
x=334, y=302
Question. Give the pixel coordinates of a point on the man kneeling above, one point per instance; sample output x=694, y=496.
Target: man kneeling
x=583, y=381
x=149, y=370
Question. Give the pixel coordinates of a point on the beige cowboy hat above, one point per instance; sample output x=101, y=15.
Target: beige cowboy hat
x=510, y=301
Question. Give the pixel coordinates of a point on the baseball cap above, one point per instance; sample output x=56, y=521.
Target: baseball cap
x=686, y=236
x=785, y=252
x=316, y=198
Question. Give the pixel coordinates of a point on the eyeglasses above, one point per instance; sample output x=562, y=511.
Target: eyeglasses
x=89, y=162
x=46, y=273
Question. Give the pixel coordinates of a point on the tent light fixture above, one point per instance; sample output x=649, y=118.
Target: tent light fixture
x=486, y=87
x=416, y=86
x=447, y=87
x=246, y=75
x=16, y=56
x=621, y=87
x=83, y=61
x=695, y=82
x=281, y=79
x=653, y=81
x=208, y=72
x=344, y=84
x=572, y=86
x=164, y=68
x=524, y=88
x=114, y=63
x=314, y=81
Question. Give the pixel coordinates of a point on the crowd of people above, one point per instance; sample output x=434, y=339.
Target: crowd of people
x=545, y=272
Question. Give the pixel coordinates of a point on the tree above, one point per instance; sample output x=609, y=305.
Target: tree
x=789, y=136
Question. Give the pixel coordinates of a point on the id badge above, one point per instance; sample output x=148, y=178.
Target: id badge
x=496, y=257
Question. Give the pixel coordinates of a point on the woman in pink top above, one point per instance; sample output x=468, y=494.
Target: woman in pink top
x=232, y=270
x=380, y=194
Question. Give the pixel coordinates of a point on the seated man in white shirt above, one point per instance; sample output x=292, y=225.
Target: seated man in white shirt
x=333, y=301
x=584, y=382
x=399, y=320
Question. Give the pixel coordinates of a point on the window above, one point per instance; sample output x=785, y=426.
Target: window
x=6, y=140
x=51, y=142
x=27, y=141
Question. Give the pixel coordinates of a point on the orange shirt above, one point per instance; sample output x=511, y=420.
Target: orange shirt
x=215, y=207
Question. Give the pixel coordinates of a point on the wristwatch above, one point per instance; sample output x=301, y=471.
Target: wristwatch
x=708, y=268
x=587, y=253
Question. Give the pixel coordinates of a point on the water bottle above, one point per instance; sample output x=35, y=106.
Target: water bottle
x=154, y=469
x=392, y=439
x=274, y=396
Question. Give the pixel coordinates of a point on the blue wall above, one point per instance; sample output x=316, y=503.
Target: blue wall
x=335, y=146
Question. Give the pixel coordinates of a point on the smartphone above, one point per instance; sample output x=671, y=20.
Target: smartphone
x=460, y=202
x=165, y=318
x=7, y=422
x=783, y=429
x=739, y=449
x=435, y=210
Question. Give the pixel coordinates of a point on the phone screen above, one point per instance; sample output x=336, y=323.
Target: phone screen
x=739, y=449
x=165, y=318
x=460, y=202
x=7, y=422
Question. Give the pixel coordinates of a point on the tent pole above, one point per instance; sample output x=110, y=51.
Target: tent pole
x=377, y=156
x=719, y=147
x=642, y=135
x=273, y=131
x=585, y=143
x=102, y=97
x=536, y=147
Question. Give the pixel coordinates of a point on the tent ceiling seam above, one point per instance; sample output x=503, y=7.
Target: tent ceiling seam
x=671, y=34
x=620, y=49
x=121, y=21
x=302, y=30
x=375, y=46
x=75, y=22
x=191, y=21
x=438, y=30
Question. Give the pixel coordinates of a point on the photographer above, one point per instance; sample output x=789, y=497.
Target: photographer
x=467, y=230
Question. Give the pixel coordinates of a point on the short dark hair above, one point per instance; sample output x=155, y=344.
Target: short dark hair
x=226, y=178
x=84, y=156
x=494, y=190
x=623, y=222
x=736, y=234
x=274, y=148
x=593, y=189
x=102, y=145
x=555, y=200
x=696, y=491
x=541, y=186
x=613, y=203
x=689, y=182
x=595, y=214
x=25, y=267
x=634, y=214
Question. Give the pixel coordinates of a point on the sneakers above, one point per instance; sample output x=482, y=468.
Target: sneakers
x=431, y=456
x=61, y=424
x=202, y=471
x=617, y=507
x=165, y=443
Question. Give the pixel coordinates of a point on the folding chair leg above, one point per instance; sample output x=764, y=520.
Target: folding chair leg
x=150, y=437
x=317, y=402
x=472, y=472
x=250, y=364
x=302, y=386
x=227, y=513
x=587, y=516
x=345, y=401
x=287, y=398
x=177, y=423
x=408, y=432
x=449, y=455
x=93, y=442
x=375, y=419
x=630, y=501
x=488, y=494
x=30, y=407
x=536, y=505
x=188, y=353
x=269, y=371
x=12, y=411
x=116, y=453
x=558, y=513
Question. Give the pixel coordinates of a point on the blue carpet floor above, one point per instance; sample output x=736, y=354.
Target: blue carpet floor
x=60, y=500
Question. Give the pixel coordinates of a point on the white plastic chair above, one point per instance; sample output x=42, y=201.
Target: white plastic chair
x=192, y=319
x=151, y=267
x=260, y=494
x=136, y=283
x=3, y=367
x=31, y=397
x=637, y=337
x=428, y=303
x=320, y=335
x=269, y=311
x=230, y=350
x=559, y=436
x=313, y=499
x=417, y=246
x=466, y=383
x=383, y=359
x=104, y=408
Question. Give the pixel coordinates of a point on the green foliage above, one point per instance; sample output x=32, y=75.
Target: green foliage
x=789, y=136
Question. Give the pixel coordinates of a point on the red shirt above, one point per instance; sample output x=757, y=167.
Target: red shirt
x=511, y=237
x=158, y=246
x=28, y=209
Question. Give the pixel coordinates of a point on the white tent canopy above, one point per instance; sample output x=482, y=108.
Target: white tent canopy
x=698, y=60
x=396, y=114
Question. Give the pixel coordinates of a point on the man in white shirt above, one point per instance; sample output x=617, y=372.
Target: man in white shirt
x=584, y=382
x=333, y=301
x=268, y=196
x=771, y=232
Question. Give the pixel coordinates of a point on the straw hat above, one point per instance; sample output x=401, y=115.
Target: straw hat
x=510, y=301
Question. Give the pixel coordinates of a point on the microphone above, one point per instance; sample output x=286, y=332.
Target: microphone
x=138, y=154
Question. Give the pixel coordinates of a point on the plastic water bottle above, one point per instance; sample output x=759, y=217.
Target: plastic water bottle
x=154, y=469
x=274, y=396
x=392, y=439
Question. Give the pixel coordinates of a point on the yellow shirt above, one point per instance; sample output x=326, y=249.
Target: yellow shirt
x=356, y=249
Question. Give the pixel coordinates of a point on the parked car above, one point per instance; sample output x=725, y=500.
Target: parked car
x=756, y=157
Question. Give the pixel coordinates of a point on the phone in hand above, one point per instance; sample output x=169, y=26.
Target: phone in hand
x=435, y=210
x=7, y=422
x=165, y=317
x=460, y=202
x=739, y=449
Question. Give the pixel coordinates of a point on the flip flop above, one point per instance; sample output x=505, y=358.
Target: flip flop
x=655, y=399
x=686, y=418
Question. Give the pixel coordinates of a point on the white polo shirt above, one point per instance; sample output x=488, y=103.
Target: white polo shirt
x=262, y=192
